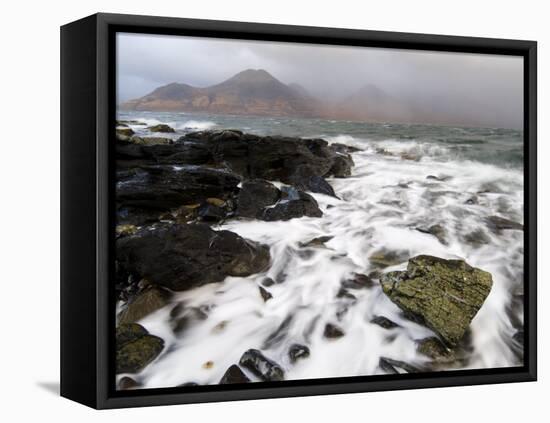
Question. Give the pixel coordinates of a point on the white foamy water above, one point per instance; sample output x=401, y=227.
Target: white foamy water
x=380, y=207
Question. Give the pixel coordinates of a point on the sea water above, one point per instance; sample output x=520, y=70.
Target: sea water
x=380, y=207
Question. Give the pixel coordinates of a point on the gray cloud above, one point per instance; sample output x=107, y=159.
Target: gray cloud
x=482, y=89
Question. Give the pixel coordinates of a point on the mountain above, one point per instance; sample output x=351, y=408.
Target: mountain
x=254, y=92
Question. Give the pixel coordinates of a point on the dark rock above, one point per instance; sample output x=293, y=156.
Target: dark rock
x=135, y=348
x=150, y=140
x=187, y=384
x=497, y=224
x=297, y=352
x=163, y=187
x=445, y=295
x=387, y=364
x=385, y=258
x=344, y=293
x=234, y=375
x=358, y=281
x=294, y=204
x=261, y=366
x=341, y=166
x=184, y=256
x=343, y=148
x=126, y=383
x=305, y=178
x=271, y=157
x=161, y=128
x=435, y=349
x=384, y=322
x=436, y=230
x=124, y=131
x=316, y=242
x=254, y=196
x=129, y=122
x=438, y=178
x=332, y=331
x=266, y=295
x=210, y=213
x=145, y=302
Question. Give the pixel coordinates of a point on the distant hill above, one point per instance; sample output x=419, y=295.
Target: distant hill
x=251, y=91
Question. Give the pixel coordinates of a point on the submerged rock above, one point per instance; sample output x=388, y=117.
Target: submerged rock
x=234, y=374
x=477, y=238
x=385, y=258
x=297, y=352
x=358, y=281
x=180, y=257
x=445, y=295
x=161, y=128
x=150, y=299
x=436, y=230
x=261, y=366
x=305, y=178
x=497, y=224
x=389, y=366
x=135, y=348
x=432, y=347
x=316, y=242
x=384, y=322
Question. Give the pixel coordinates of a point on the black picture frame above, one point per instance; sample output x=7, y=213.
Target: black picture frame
x=87, y=231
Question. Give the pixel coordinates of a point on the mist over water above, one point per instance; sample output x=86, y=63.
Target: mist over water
x=475, y=173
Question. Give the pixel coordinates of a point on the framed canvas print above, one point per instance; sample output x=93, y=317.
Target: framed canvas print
x=256, y=211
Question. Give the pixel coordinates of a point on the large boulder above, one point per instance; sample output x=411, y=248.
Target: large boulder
x=305, y=178
x=161, y=127
x=271, y=157
x=180, y=257
x=135, y=348
x=163, y=187
x=445, y=295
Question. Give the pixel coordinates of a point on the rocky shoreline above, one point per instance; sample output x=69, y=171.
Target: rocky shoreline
x=170, y=196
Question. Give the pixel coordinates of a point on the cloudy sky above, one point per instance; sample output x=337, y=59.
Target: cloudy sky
x=489, y=87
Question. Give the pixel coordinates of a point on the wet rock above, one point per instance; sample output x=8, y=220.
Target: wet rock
x=163, y=187
x=341, y=166
x=497, y=224
x=145, y=302
x=210, y=213
x=305, y=178
x=180, y=257
x=436, y=230
x=343, y=148
x=358, y=281
x=297, y=352
x=432, y=347
x=445, y=295
x=150, y=140
x=124, y=132
x=135, y=348
x=254, y=196
x=126, y=383
x=477, y=238
x=125, y=230
x=332, y=331
x=294, y=205
x=385, y=258
x=234, y=374
x=384, y=322
x=389, y=365
x=473, y=200
x=344, y=293
x=129, y=122
x=266, y=369
x=271, y=157
x=316, y=242
x=266, y=295
x=161, y=128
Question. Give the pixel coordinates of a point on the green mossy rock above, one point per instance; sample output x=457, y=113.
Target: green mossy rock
x=161, y=128
x=146, y=302
x=135, y=348
x=124, y=131
x=445, y=295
